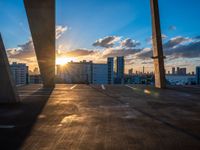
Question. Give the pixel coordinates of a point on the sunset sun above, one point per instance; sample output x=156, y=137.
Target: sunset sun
x=64, y=60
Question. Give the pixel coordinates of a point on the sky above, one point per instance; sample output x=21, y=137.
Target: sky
x=97, y=29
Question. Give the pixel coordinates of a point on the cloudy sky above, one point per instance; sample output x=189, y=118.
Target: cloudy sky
x=97, y=29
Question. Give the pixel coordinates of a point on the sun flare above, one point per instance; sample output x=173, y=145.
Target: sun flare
x=64, y=60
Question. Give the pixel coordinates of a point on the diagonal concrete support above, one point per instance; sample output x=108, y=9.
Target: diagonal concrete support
x=41, y=17
x=8, y=92
x=158, y=57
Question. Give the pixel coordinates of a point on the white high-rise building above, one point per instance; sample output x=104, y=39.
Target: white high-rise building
x=83, y=72
x=75, y=72
x=19, y=73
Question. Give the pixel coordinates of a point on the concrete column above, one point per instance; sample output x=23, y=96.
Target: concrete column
x=158, y=57
x=41, y=18
x=8, y=92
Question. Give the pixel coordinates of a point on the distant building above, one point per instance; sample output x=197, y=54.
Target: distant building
x=119, y=69
x=20, y=73
x=130, y=72
x=75, y=72
x=35, y=79
x=110, y=62
x=182, y=71
x=85, y=73
x=198, y=75
x=177, y=72
x=99, y=73
x=173, y=70
x=143, y=70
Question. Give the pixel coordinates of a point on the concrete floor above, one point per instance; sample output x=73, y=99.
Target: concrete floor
x=103, y=117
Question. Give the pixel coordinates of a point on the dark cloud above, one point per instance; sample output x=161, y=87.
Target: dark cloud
x=22, y=51
x=145, y=54
x=191, y=50
x=125, y=47
x=129, y=43
x=25, y=51
x=129, y=61
x=113, y=52
x=175, y=41
x=175, y=48
x=106, y=42
x=28, y=46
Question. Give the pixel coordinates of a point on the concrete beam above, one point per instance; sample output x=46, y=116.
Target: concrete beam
x=158, y=57
x=41, y=18
x=8, y=92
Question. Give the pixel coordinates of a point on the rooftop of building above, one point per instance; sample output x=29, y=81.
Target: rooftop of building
x=102, y=117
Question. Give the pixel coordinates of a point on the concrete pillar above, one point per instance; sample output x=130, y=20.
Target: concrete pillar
x=41, y=18
x=8, y=92
x=158, y=57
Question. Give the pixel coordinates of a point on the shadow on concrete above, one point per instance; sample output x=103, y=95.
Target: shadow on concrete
x=17, y=120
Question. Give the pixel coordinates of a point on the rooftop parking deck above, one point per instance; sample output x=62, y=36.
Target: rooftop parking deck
x=102, y=117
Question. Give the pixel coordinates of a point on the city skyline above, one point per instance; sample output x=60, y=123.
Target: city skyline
x=115, y=29
x=109, y=74
x=112, y=72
